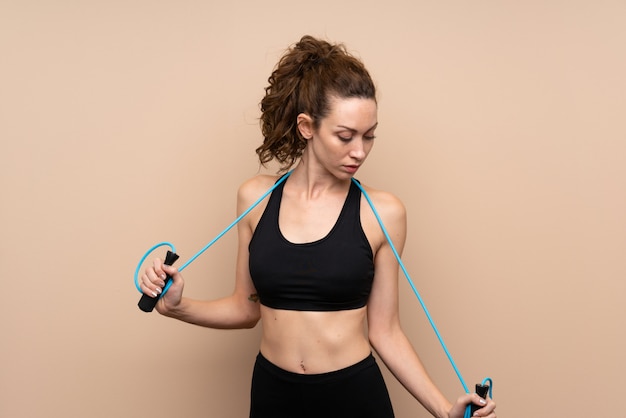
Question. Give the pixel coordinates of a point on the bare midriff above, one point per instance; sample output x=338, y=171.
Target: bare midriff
x=314, y=342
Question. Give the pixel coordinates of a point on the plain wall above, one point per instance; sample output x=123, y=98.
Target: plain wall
x=127, y=123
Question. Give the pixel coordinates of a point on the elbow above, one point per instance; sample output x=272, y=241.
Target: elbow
x=251, y=318
x=238, y=322
x=376, y=338
x=381, y=335
x=251, y=322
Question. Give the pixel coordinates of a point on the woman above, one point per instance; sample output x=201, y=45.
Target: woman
x=313, y=263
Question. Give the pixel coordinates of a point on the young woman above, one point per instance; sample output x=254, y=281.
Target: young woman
x=313, y=263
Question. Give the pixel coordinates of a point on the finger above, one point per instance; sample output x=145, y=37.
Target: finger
x=157, y=266
x=488, y=408
x=477, y=400
x=148, y=288
x=491, y=406
x=154, y=277
x=169, y=271
x=151, y=283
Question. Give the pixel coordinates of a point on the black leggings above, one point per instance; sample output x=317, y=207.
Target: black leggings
x=357, y=391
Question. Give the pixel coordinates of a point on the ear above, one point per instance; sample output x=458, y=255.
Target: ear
x=305, y=125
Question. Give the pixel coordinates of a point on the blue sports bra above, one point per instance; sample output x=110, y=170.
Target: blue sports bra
x=331, y=274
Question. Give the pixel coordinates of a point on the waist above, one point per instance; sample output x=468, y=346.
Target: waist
x=286, y=375
x=313, y=342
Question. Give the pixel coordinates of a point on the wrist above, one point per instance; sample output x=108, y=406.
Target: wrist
x=447, y=411
x=171, y=311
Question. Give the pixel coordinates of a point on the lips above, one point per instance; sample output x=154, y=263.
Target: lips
x=351, y=168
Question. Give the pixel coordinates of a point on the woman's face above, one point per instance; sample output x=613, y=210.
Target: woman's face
x=345, y=136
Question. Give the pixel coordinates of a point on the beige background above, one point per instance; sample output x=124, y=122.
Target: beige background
x=126, y=123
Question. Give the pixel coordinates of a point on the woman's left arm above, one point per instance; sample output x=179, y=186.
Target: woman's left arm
x=385, y=332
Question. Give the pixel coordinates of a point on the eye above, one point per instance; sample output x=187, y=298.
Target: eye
x=369, y=137
x=344, y=137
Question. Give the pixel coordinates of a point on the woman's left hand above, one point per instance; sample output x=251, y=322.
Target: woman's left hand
x=488, y=406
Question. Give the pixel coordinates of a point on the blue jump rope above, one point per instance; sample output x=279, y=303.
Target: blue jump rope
x=147, y=303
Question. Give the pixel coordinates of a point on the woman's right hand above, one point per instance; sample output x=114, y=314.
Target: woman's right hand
x=153, y=282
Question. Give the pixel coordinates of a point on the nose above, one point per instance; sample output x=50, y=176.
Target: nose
x=358, y=150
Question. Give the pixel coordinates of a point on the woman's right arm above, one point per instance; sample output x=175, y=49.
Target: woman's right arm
x=238, y=310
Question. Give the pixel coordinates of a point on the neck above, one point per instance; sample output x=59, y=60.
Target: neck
x=315, y=181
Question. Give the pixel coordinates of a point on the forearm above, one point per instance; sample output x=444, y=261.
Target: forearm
x=224, y=313
x=401, y=359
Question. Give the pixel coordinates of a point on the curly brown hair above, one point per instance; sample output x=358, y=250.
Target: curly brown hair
x=306, y=76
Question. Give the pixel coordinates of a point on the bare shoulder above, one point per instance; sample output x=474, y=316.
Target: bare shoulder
x=253, y=188
x=390, y=210
x=388, y=205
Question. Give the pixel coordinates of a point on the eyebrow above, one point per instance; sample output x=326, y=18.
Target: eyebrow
x=354, y=130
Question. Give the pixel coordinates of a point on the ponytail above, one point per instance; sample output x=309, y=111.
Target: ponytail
x=302, y=82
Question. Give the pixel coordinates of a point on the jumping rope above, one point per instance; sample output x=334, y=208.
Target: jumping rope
x=147, y=303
